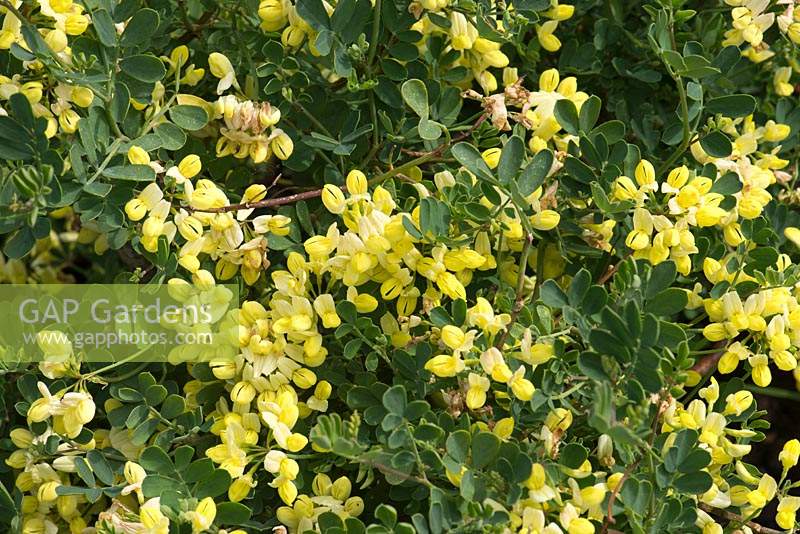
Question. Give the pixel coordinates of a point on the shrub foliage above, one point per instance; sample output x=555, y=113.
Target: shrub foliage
x=504, y=266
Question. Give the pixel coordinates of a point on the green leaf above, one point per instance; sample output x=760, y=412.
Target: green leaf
x=140, y=27
x=696, y=460
x=144, y=67
x=15, y=141
x=215, y=485
x=155, y=485
x=386, y=514
x=7, y=507
x=20, y=243
x=172, y=137
x=591, y=365
x=485, y=447
x=693, y=483
x=120, y=102
x=573, y=455
x=510, y=159
x=347, y=311
x=144, y=430
x=579, y=170
x=429, y=130
x=716, y=144
x=439, y=317
x=457, y=445
x=198, y=470
x=434, y=217
x=173, y=406
x=104, y=26
x=100, y=467
x=535, y=172
x=394, y=399
x=84, y=471
x=415, y=95
x=91, y=494
x=668, y=302
x=552, y=295
x=136, y=173
x=314, y=13
x=531, y=6
x=154, y=460
x=330, y=522
x=232, y=513
x=590, y=112
x=469, y=157
x=613, y=131
x=662, y=276
x=189, y=117
x=732, y=106
x=155, y=395
x=728, y=184
x=567, y=115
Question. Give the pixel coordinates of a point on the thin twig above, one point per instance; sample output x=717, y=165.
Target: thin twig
x=609, y=519
x=306, y=195
x=611, y=272
x=736, y=518
x=708, y=363
x=456, y=139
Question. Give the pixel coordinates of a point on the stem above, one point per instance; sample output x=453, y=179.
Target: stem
x=313, y=119
x=771, y=391
x=519, y=301
x=113, y=123
x=272, y=202
x=730, y=516
x=687, y=135
x=376, y=30
x=684, y=104
x=115, y=364
x=111, y=153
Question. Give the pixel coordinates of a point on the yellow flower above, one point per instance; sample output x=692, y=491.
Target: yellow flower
x=558, y=419
x=792, y=233
x=152, y=518
x=356, y=182
x=545, y=220
x=76, y=24
x=646, y=175
x=282, y=146
x=581, y=525
x=333, y=198
x=776, y=132
x=203, y=515
x=790, y=454
x=504, y=428
x=82, y=96
x=761, y=373
x=190, y=166
x=787, y=512
x=544, y=33
x=138, y=156
x=240, y=488
x=222, y=69
x=47, y=492
x=522, y=388
x=738, y=402
x=491, y=157
x=781, y=81
x=476, y=392
x=445, y=365
x=56, y=40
